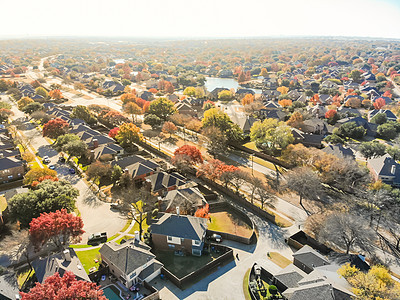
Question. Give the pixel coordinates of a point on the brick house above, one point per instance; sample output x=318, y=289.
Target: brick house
x=11, y=169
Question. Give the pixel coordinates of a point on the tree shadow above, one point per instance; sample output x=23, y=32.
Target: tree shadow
x=46, y=150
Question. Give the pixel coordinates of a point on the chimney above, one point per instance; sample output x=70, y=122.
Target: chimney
x=393, y=170
x=126, y=171
x=95, y=143
x=67, y=255
x=137, y=236
x=177, y=210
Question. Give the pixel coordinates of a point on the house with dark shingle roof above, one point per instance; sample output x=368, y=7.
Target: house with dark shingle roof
x=390, y=116
x=339, y=151
x=9, y=286
x=11, y=169
x=386, y=169
x=162, y=182
x=130, y=262
x=188, y=198
x=110, y=149
x=307, y=259
x=184, y=234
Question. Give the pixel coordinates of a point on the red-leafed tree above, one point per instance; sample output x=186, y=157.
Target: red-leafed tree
x=169, y=88
x=379, y=103
x=330, y=114
x=190, y=154
x=387, y=94
x=60, y=227
x=55, y=94
x=63, y=288
x=203, y=212
x=153, y=90
x=54, y=128
x=113, y=132
x=214, y=168
x=169, y=128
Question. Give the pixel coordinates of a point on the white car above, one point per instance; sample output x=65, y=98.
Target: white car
x=46, y=159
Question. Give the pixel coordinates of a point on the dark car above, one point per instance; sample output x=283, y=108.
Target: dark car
x=61, y=159
x=71, y=170
x=97, y=238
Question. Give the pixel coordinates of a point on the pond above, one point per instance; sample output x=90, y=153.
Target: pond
x=229, y=83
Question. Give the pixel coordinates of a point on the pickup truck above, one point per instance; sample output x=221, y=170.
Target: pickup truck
x=97, y=238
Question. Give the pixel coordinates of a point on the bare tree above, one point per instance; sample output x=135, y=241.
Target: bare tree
x=239, y=178
x=264, y=195
x=254, y=183
x=347, y=231
x=305, y=183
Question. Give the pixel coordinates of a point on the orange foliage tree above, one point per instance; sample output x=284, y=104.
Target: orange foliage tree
x=379, y=103
x=248, y=99
x=285, y=102
x=55, y=94
x=283, y=90
x=295, y=120
x=203, y=212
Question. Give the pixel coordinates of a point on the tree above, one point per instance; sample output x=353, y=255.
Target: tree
x=332, y=116
x=215, y=117
x=347, y=231
x=208, y=104
x=5, y=114
x=54, y=128
x=190, y=154
x=241, y=77
x=372, y=149
x=82, y=112
x=35, y=173
x=64, y=139
x=97, y=171
x=264, y=72
x=394, y=152
x=48, y=196
x=65, y=287
x=225, y=95
x=353, y=102
x=162, y=108
x=305, y=183
x=75, y=148
x=238, y=179
x=379, y=103
x=128, y=135
x=377, y=283
x=213, y=169
x=387, y=131
x=169, y=128
x=128, y=97
x=203, y=212
x=217, y=140
x=254, y=183
x=55, y=94
x=133, y=109
x=32, y=107
x=283, y=90
x=295, y=120
x=113, y=132
x=355, y=75
x=60, y=227
x=169, y=88
x=152, y=120
x=264, y=195
x=285, y=103
x=247, y=99
x=334, y=139
x=190, y=91
x=350, y=130
x=41, y=92
x=271, y=135
x=24, y=102
x=379, y=118
x=79, y=86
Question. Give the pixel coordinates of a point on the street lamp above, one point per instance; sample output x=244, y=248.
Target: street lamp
x=252, y=164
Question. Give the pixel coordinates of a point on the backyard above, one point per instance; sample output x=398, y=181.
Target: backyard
x=88, y=258
x=229, y=222
x=181, y=266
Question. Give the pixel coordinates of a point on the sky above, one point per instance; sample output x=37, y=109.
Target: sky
x=200, y=19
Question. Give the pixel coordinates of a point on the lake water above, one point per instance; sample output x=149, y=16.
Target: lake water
x=229, y=83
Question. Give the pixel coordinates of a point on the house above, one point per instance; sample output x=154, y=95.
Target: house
x=142, y=169
x=307, y=259
x=61, y=263
x=272, y=105
x=386, y=169
x=145, y=95
x=245, y=123
x=288, y=277
x=127, y=161
x=172, y=97
x=189, y=199
x=270, y=95
x=9, y=286
x=10, y=153
x=314, y=125
x=390, y=116
x=307, y=139
x=240, y=93
x=317, y=111
x=131, y=262
x=214, y=93
x=162, y=182
x=185, y=109
x=11, y=169
x=349, y=112
x=339, y=151
x=329, y=84
x=278, y=114
x=294, y=94
x=179, y=233
x=110, y=149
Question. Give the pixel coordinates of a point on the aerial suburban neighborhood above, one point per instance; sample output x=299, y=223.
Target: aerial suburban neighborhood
x=207, y=168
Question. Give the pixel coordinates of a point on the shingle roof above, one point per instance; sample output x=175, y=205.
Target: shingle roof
x=339, y=151
x=290, y=276
x=128, y=256
x=309, y=257
x=8, y=286
x=10, y=162
x=127, y=161
x=187, y=227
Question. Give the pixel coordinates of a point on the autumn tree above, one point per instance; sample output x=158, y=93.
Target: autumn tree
x=217, y=140
x=203, y=212
x=347, y=231
x=5, y=114
x=213, y=169
x=55, y=128
x=241, y=77
x=169, y=128
x=35, y=173
x=283, y=90
x=41, y=92
x=162, y=108
x=332, y=116
x=190, y=91
x=264, y=72
x=208, y=104
x=24, y=101
x=55, y=94
x=296, y=120
x=379, y=103
x=79, y=86
x=169, y=87
x=285, y=103
x=225, y=95
x=127, y=97
x=305, y=183
x=59, y=227
x=56, y=287
x=98, y=171
x=82, y=112
x=189, y=154
x=128, y=135
x=247, y=99
x=133, y=109
x=113, y=132
x=353, y=102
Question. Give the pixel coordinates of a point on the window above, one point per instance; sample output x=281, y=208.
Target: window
x=169, y=238
x=196, y=243
x=171, y=246
x=196, y=252
x=132, y=275
x=10, y=177
x=182, y=240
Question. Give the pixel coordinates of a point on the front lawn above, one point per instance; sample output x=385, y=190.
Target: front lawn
x=3, y=203
x=278, y=259
x=181, y=266
x=229, y=222
x=88, y=257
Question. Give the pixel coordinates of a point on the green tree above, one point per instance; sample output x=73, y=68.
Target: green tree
x=162, y=108
x=75, y=148
x=152, y=120
x=271, y=135
x=217, y=118
x=334, y=139
x=49, y=196
x=394, y=152
x=128, y=135
x=225, y=95
x=65, y=139
x=190, y=91
x=32, y=107
x=82, y=112
x=387, y=131
x=372, y=149
x=350, y=130
x=379, y=119
x=355, y=75
x=217, y=140
x=42, y=92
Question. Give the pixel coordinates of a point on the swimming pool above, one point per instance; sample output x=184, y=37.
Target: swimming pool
x=112, y=293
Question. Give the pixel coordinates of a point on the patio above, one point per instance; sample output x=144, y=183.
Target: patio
x=111, y=281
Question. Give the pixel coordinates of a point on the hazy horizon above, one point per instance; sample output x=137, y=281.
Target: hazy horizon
x=223, y=19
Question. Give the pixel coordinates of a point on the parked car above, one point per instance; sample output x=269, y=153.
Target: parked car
x=215, y=238
x=71, y=170
x=61, y=159
x=97, y=238
x=46, y=160
x=52, y=167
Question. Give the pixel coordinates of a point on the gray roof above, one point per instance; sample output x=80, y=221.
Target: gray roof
x=339, y=151
x=180, y=196
x=154, y=267
x=309, y=257
x=164, y=180
x=315, y=291
x=57, y=263
x=10, y=162
x=383, y=166
x=127, y=161
x=8, y=286
x=290, y=276
x=187, y=227
x=128, y=256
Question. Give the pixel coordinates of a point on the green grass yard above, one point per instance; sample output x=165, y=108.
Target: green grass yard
x=88, y=257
